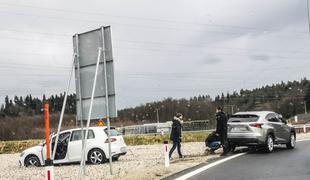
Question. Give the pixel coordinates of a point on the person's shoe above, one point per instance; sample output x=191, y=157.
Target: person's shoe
x=211, y=152
x=170, y=158
x=182, y=157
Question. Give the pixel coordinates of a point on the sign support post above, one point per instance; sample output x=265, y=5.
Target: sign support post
x=89, y=115
x=78, y=85
x=107, y=100
x=63, y=108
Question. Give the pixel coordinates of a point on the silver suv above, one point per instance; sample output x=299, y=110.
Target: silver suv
x=260, y=129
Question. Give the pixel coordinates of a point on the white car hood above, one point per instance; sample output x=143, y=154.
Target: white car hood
x=37, y=148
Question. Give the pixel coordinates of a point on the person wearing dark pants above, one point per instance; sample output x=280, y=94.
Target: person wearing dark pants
x=176, y=135
x=221, y=129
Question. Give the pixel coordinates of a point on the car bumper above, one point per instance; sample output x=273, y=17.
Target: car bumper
x=248, y=139
x=118, y=155
x=21, y=161
x=117, y=152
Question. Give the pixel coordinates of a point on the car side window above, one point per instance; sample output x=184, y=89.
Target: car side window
x=77, y=135
x=272, y=118
x=61, y=137
x=64, y=137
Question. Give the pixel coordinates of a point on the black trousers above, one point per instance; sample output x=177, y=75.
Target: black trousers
x=224, y=142
x=176, y=144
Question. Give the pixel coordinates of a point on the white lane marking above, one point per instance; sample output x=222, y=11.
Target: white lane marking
x=302, y=140
x=197, y=171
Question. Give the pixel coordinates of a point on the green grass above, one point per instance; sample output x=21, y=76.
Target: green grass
x=135, y=140
x=7, y=147
x=16, y=146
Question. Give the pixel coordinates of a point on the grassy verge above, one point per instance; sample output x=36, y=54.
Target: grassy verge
x=158, y=139
x=16, y=146
x=7, y=147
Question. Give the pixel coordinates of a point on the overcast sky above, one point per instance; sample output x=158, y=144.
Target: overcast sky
x=162, y=48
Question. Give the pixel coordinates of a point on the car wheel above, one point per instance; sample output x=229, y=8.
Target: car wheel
x=232, y=148
x=32, y=161
x=96, y=156
x=269, y=144
x=292, y=142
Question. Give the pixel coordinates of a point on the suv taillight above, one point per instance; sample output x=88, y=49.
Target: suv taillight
x=257, y=125
x=112, y=140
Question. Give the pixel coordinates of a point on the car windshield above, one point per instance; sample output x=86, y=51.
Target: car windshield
x=243, y=118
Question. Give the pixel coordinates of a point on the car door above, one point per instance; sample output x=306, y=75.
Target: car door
x=75, y=145
x=62, y=137
x=285, y=130
x=274, y=122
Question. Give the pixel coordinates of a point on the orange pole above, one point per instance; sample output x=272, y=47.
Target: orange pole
x=47, y=131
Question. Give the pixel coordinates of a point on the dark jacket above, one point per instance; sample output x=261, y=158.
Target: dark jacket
x=212, y=137
x=176, y=131
x=221, y=123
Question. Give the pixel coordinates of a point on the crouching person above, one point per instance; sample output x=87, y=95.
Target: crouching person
x=176, y=135
x=213, y=142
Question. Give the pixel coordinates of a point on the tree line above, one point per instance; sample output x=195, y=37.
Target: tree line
x=288, y=98
x=29, y=106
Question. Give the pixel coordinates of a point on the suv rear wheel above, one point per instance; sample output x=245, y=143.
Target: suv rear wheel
x=292, y=142
x=269, y=143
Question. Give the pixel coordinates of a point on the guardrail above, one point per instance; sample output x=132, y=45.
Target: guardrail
x=165, y=128
x=302, y=128
x=165, y=133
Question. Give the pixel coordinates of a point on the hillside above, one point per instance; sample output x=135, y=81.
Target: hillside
x=285, y=98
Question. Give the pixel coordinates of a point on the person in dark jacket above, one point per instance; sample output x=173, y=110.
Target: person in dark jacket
x=221, y=129
x=176, y=135
x=213, y=142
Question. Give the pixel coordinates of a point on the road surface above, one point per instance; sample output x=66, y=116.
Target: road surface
x=283, y=164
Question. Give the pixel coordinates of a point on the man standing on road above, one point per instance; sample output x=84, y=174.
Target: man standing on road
x=221, y=129
x=176, y=135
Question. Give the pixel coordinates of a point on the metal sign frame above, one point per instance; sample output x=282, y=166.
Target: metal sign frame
x=86, y=46
x=105, y=60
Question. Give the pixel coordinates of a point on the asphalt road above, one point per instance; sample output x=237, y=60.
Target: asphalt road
x=282, y=164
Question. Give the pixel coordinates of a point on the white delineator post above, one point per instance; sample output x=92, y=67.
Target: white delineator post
x=305, y=129
x=166, y=154
x=49, y=172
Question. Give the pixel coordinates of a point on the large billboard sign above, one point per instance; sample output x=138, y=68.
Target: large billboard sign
x=86, y=47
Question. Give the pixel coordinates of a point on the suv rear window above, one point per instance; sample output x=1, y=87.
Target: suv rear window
x=243, y=118
x=113, y=132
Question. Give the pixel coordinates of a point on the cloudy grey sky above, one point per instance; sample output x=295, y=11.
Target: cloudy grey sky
x=162, y=48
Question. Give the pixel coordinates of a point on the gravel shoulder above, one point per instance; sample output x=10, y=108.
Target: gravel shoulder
x=141, y=162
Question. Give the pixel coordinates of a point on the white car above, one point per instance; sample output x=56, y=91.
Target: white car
x=69, y=148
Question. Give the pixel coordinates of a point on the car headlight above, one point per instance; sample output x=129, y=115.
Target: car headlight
x=22, y=154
